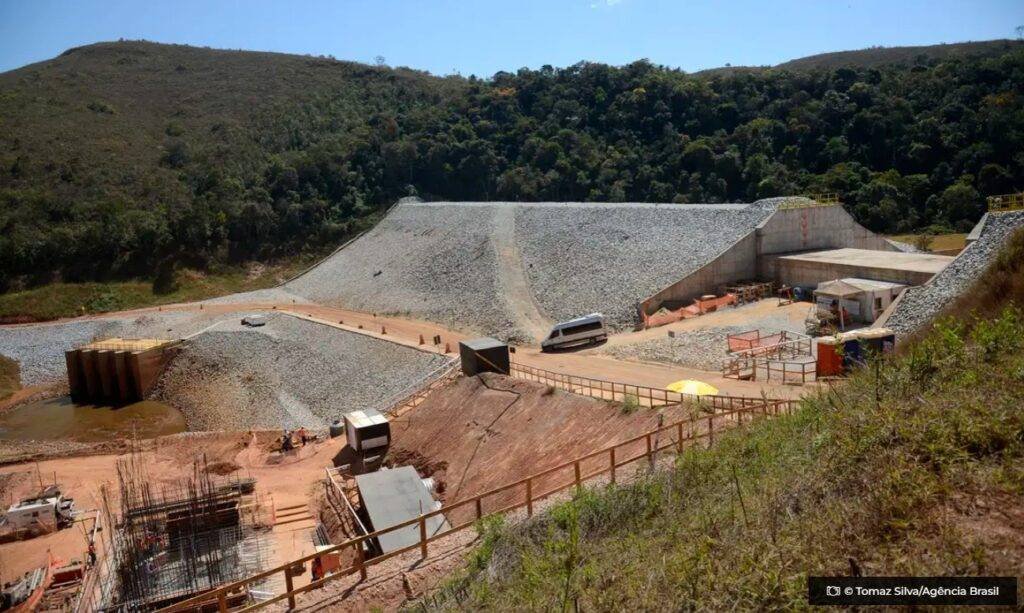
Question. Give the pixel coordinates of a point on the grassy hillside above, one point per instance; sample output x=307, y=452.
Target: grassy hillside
x=57, y=300
x=126, y=160
x=117, y=158
x=913, y=467
x=878, y=57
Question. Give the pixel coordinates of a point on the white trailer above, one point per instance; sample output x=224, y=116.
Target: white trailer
x=46, y=512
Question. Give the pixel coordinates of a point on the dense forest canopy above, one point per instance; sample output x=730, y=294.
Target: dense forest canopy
x=126, y=159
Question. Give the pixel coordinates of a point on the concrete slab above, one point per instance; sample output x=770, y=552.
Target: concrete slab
x=807, y=269
x=896, y=260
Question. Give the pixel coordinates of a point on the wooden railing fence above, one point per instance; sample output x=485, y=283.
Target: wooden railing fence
x=524, y=493
x=644, y=395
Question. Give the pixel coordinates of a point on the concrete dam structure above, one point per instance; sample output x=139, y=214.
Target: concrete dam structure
x=511, y=269
x=117, y=370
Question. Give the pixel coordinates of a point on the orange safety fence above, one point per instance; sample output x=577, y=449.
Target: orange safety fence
x=699, y=307
x=752, y=339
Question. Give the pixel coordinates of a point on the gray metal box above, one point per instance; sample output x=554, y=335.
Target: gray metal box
x=484, y=355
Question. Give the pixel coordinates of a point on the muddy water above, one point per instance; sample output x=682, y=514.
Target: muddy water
x=62, y=419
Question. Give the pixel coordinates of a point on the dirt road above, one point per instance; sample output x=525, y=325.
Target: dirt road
x=288, y=482
x=585, y=362
x=514, y=285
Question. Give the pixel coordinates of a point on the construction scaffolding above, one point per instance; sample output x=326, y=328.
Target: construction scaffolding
x=180, y=541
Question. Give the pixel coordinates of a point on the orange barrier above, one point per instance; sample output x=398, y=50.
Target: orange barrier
x=699, y=307
x=752, y=339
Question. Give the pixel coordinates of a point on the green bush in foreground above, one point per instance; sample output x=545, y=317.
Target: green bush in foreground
x=914, y=467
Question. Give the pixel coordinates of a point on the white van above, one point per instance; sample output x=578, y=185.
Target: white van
x=589, y=329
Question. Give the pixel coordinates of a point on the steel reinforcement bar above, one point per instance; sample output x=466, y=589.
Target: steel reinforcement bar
x=684, y=431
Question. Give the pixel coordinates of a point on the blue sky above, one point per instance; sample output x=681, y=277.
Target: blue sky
x=476, y=37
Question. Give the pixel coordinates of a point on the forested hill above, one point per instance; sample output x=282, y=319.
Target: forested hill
x=124, y=158
x=880, y=57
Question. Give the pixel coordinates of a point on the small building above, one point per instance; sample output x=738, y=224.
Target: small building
x=856, y=300
x=367, y=430
x=392, y=496
x=484, y=355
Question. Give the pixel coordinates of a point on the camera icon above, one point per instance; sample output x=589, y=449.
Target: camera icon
x=832, y=590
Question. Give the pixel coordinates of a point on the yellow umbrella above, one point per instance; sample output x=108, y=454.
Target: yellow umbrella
x=692, y=387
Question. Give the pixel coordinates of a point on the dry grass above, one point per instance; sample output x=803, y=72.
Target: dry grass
x=58, y=300
x=915, y=466
x=939, y=242
x=1002, y=283
x=907, y=469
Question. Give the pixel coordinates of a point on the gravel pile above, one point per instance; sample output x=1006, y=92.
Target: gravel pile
x=444, y=261
x=39, y=348
x=288, y=373
x=704, y=349
x=918, y=305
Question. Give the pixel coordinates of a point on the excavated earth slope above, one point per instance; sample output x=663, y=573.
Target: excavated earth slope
x=510, y=269
x=918, y=305
x=482, y=432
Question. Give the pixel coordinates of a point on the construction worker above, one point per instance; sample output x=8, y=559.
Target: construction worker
x=303, y=437
x=317, y=568
x=286, y=441
x=92, y=554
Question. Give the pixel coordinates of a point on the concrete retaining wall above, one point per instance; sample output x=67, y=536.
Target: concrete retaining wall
x=798, y=273
x=737, y=263
x=815, y=227
x=784, y=231
x=116, y=376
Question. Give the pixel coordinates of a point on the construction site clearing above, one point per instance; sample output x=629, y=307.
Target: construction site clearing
x=339, y=456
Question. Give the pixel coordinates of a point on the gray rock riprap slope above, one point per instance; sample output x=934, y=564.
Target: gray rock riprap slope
x=918, y=305
x=443, y=261
x=39, y=348
x=288, y=373
x=423, y=260
x=274, y=295
x=704, y=349
x=609, y=257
